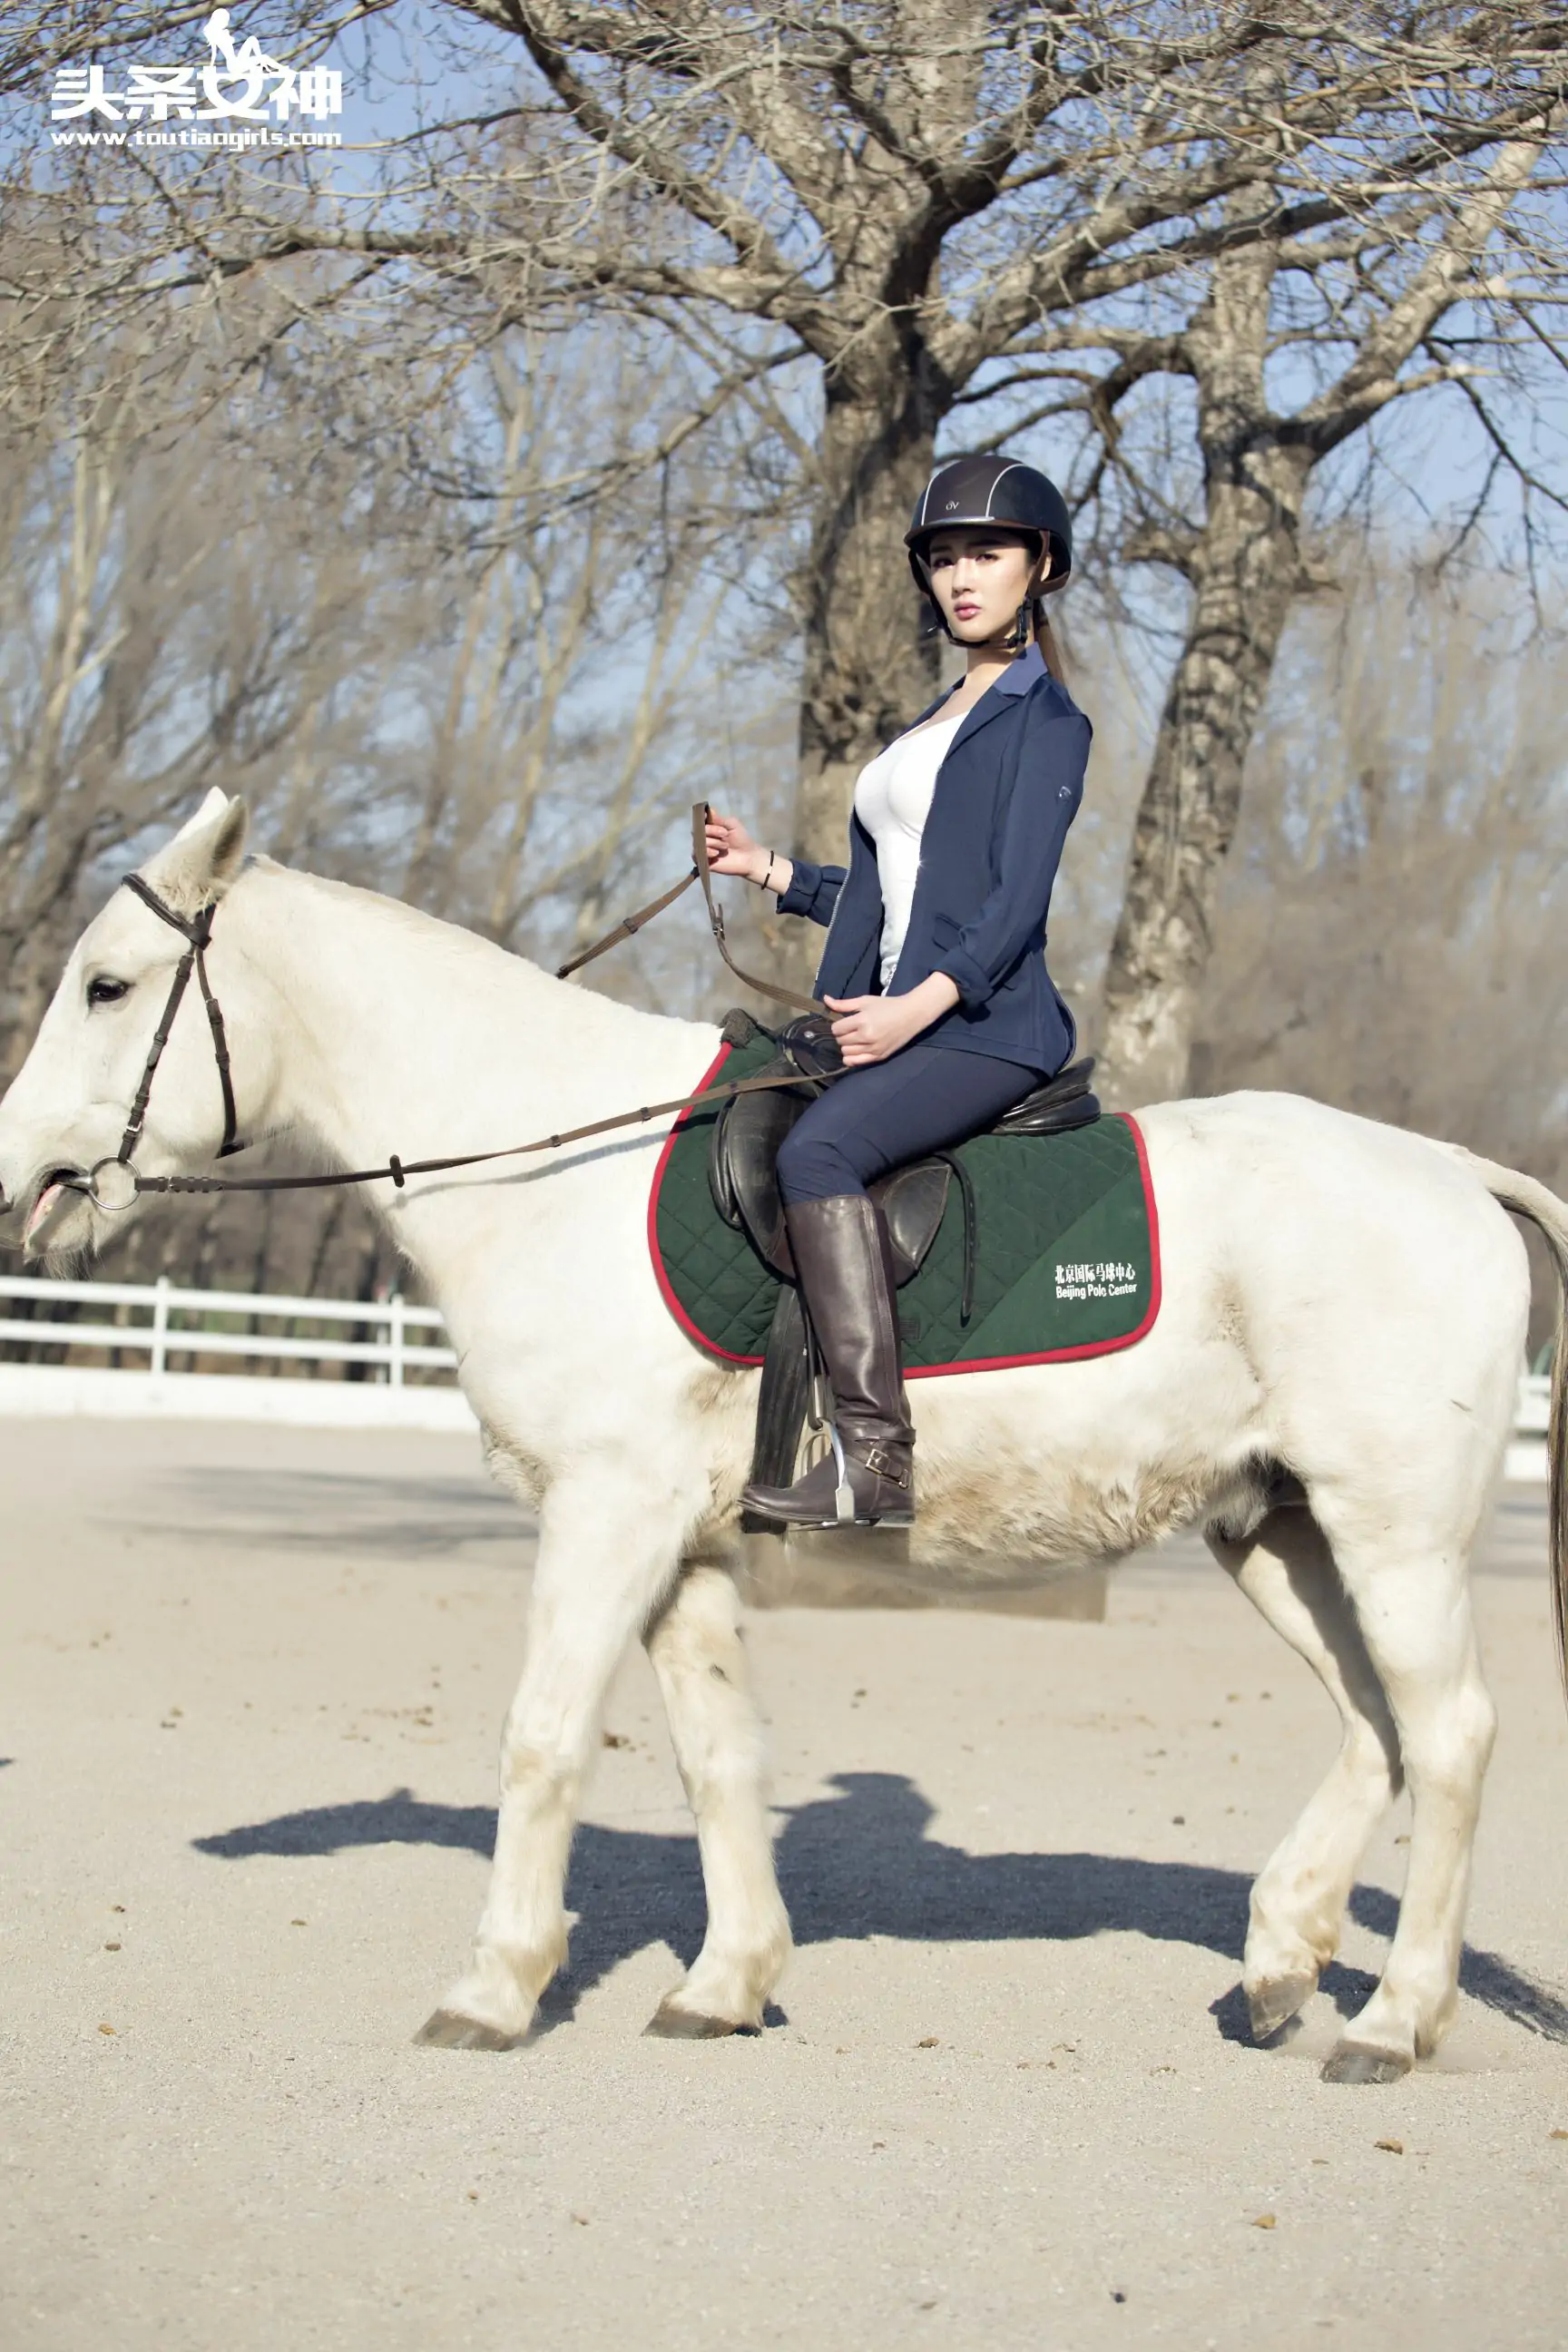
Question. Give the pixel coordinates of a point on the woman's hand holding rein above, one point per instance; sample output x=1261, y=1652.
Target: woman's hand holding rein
x=871, y=1028
x=731, y=850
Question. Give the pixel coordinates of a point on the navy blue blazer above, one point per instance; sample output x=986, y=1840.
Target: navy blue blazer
x=1005, y=793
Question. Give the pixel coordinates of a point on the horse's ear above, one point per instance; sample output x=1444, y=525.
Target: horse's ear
x=204, y=857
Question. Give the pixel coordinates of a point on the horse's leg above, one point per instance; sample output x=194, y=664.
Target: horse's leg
x=1287, y=1571
x=609, y=1545
x=1414, y=1608
x=700, y=1661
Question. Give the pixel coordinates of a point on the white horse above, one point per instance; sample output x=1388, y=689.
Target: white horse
x=1341, y=1300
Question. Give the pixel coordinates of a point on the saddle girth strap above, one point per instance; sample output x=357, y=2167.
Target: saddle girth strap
x=954, y=1160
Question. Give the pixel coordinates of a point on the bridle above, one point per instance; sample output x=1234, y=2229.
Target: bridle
x=115, y=1183
x=197, y=930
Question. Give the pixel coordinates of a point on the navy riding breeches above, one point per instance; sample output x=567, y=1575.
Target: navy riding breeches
x=925, y=1098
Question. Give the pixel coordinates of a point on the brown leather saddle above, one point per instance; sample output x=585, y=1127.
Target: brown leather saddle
x=742, y=1167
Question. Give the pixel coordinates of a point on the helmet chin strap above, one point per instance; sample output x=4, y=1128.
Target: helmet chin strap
x=1015, y=641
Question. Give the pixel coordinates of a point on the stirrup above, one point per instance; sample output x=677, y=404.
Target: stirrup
x=844, y=1493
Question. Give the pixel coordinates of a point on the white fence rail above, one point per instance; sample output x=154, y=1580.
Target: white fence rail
x=150, y=1322
x=175, y=1322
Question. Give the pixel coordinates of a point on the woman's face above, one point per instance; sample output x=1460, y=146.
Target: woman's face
x=980, y=577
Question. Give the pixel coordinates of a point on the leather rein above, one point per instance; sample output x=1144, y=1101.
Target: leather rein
x=116, y=1184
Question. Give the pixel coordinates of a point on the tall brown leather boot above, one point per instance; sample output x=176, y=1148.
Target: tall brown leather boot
x=844, y=1259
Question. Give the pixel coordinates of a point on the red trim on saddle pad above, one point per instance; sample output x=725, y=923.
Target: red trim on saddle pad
x=917, y=1371
x=710, y=1078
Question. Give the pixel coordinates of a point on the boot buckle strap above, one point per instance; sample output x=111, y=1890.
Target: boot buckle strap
x=886, y=1465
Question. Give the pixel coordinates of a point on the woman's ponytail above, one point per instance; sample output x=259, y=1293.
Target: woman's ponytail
x=1044, y=637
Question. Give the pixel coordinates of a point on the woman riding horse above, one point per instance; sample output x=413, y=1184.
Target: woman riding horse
x=934, y=960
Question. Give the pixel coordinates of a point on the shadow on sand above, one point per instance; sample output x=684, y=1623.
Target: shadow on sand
x=862, y=1864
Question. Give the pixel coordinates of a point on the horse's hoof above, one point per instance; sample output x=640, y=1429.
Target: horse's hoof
x=669, y=2023
x=1355, y=2061
x=445, y=2029
x=1276, y=2002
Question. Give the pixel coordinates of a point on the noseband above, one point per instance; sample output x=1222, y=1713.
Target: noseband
x=196, y=930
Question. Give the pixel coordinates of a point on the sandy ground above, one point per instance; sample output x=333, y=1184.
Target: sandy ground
x=251, y=1687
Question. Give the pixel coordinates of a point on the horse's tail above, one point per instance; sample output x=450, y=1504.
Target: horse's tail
x=1549, y=1216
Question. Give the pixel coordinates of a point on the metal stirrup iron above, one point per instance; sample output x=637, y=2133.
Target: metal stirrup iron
x=844, y=1493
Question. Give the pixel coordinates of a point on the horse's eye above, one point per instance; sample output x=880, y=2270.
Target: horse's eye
x=104, y=990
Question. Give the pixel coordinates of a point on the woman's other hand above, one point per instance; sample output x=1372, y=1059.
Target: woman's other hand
x=871, y=1028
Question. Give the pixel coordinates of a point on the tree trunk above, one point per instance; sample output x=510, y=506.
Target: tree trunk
x=1245, y=569
x=866, y=671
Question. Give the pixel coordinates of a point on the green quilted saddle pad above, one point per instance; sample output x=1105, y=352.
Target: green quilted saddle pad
x=1068, y=1257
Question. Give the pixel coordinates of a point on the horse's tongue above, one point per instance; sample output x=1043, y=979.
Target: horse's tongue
x=47, y=1202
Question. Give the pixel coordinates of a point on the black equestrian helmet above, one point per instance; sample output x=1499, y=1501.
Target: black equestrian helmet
x=969, y=491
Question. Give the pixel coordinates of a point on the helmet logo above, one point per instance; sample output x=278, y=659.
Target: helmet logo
x=953, y=506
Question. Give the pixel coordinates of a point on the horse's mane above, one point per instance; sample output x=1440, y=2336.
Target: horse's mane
x=463, y=953
x=455, y=937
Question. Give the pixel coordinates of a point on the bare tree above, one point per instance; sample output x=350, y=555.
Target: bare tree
x=576, y=712
x=1197, y=263
x=1035, y=218
x=1393, y=935
x=418, y=681
x=1374, y=302
x=164, y=626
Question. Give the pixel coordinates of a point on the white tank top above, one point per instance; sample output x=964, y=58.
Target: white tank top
x=892, y=801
